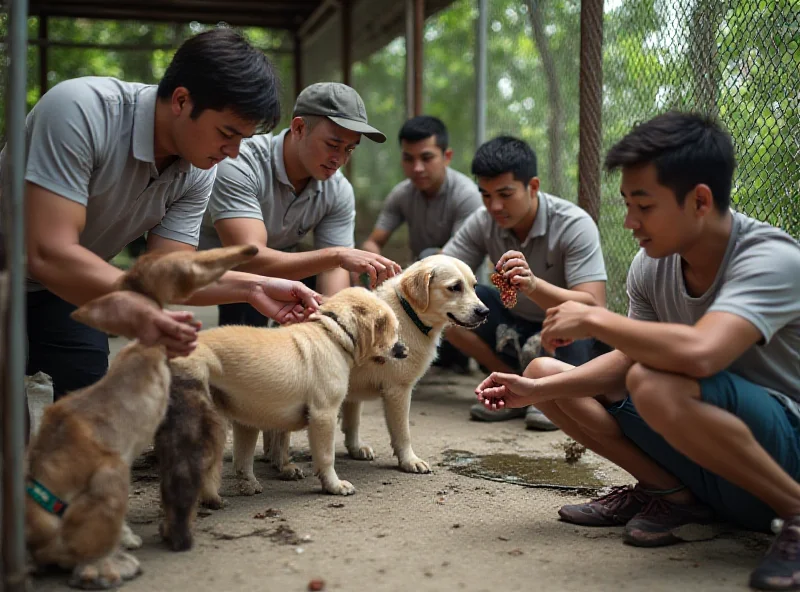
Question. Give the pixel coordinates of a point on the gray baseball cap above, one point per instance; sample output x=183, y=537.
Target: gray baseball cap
x=339, y=103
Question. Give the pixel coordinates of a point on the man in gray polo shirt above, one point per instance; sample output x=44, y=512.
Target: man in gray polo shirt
x=434, y=200
x=548, y=248
x=109, y=160
x=285, y=186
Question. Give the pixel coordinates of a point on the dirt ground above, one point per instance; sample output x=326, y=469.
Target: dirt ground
x=443, y=531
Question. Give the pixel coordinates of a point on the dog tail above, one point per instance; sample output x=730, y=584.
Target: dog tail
x=179, y=446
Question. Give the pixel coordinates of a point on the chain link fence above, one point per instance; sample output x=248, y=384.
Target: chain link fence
x=736, y=59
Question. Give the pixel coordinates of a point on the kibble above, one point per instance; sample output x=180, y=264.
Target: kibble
x=508, y=294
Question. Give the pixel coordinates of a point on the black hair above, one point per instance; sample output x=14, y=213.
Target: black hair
x=423, y=127
x=687, y=149
x=505, y=154
x=220, y=69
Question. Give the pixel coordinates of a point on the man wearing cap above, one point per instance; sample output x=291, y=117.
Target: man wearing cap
x=281, y=187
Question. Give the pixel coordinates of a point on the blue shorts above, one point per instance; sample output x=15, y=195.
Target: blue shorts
x=576, y=353
x=775, y=427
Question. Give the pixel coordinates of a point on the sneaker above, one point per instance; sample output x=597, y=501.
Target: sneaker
x=780, y=568
x=536, y=420
x=615, y=508
x=660, y=522
x=479, y=412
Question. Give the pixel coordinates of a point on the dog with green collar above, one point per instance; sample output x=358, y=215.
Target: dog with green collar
x=78, y=463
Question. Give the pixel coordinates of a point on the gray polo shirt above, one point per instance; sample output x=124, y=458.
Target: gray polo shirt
x=91, y=140
x=562, y=247
x=431, y=222
x=759, y=280
x=255, y=185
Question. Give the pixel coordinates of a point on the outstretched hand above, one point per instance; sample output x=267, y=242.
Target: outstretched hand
x=501, y=391
x=284, y=301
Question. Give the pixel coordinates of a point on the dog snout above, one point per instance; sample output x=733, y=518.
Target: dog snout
x=399, y=350
x=481, y=311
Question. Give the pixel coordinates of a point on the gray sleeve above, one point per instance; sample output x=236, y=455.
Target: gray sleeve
x=468, y=244
x=391, y=216
x=236, y=192
x=583, y=256
x=66, y=136
x=337, y=228
x=471, y=201
x=182, y=220
x=762, y=285
x=639, y=305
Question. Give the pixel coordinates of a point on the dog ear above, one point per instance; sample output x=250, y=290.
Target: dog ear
x=118, y=313
x=416, y=286
x=174, y=276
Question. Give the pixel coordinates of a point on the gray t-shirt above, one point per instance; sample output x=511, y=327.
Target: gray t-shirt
x=431, y=222
x=255, y=185
x=759, y=280
x=91, y=140
x=562, y=247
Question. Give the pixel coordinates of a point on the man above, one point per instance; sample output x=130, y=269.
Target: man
x=434, y=199
x=282, y=187
x=548, y=248
x=108, y=160
x=700, y=401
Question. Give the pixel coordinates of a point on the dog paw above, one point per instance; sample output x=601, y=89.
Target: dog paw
x=250, y=487
x=340, y=488
x=291, y=472
x=106, y=573
x=126, y=565
x=129, y=540
x=362, y=452
x=415, y=465
x=214, y=503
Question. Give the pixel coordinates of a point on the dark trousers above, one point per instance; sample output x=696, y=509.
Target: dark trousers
x=73, y=354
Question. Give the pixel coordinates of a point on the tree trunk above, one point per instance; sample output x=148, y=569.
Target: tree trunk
x=702, y=54
x=556, y=121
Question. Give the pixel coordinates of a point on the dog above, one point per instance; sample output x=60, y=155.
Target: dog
x=78, y=464
x=287, y=378
x=427, y=297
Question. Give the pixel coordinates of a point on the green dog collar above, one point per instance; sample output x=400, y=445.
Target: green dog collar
x=42, y=496
x=413, y=315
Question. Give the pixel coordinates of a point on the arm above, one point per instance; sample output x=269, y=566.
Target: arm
x=756, y=298
x=55, y=256
x=389, y=219
x=605, y=374
x=699, y=350
x=547, y=295
x=279, y=299
x=295, y=266
x=333, y=281
x=377, y=240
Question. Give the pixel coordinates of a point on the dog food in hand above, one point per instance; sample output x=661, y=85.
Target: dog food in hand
x=508, y=294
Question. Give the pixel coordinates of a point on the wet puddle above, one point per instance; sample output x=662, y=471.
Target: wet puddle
x=553, y=473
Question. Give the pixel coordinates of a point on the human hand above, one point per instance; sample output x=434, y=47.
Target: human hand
x=516, y=270
x=285, y=301
x=501, y=391
x=378, y=267
x=564, y=324
x=136, y=316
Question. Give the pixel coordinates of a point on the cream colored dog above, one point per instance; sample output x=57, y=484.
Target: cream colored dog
x=430, y=295
x=291, y=377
